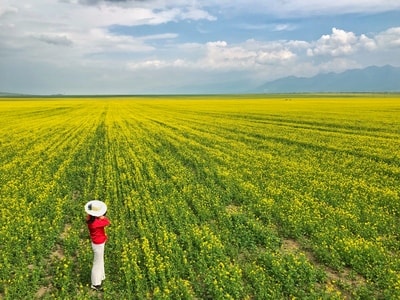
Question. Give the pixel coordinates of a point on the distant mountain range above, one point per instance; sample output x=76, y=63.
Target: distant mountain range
x=371, y=79
x=4, y=94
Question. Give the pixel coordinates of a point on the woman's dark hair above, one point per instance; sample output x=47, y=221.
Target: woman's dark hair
x=91, y=219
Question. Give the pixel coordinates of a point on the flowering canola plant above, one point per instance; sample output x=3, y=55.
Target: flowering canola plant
x=210, y=197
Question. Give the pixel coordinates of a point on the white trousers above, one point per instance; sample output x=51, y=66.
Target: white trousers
x=98, y=272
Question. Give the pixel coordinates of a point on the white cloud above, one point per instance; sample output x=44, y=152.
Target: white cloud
x=196, y=14
x=335, y=52
x=52, y=19
x=297, y=8
x=9, y=10
x=267, y=26
x=220, y=56
x=106, y=14
x=389, y=38
x=367, y=43
x=340, y=43
x=100, y=40
x=283, y=27
x=67, y=37
x=264, y=57
x=157, y=64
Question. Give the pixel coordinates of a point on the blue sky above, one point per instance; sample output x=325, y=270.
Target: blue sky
x=177, y=46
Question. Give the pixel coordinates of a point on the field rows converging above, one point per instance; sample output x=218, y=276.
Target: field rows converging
x=210, y=197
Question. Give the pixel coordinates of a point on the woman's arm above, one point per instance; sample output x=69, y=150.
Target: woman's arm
x=102, y=221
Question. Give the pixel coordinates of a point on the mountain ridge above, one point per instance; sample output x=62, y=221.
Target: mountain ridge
x=370, y=79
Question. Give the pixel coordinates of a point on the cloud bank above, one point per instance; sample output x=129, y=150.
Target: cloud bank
x=132, y=46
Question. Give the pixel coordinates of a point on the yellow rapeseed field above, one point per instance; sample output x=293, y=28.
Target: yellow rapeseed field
x=210, y=197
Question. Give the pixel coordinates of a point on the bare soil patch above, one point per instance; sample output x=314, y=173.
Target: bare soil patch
x=342, y=281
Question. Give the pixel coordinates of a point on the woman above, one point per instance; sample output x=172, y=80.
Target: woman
x=96, y=222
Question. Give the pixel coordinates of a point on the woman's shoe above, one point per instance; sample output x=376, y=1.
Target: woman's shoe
x=96, y=287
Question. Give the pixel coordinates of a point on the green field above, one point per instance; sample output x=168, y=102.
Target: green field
x=210, y=197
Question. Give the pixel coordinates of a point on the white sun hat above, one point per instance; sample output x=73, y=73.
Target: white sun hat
x=95, y=208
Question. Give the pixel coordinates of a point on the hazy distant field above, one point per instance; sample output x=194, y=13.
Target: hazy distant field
x=234, y=197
